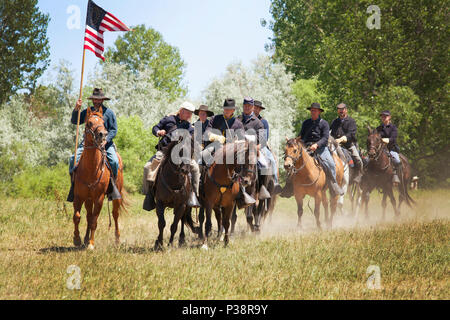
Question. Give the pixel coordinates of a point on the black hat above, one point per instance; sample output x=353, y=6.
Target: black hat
x=342, y=106
x=204, y=108
x=229, y=104
x=98, y=94
x=316, y=105
x=259, y=104
x=385, y=113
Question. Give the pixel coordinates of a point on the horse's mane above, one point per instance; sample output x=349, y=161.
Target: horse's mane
x=228, y=148
x=167, y=150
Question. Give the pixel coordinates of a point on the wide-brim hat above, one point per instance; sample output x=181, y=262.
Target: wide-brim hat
x=229, y=104
x=98, y=94
x=204, y=108
x=259, y=104
x=385, y=113
x=316, y=105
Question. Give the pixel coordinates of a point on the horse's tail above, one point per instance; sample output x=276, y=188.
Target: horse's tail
x=125, y=203
x=189, y=222
x=404, y=184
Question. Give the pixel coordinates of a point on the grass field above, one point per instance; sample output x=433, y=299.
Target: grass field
x=412, y=254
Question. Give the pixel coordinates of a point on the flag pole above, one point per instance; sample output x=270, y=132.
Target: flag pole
x=79, y=110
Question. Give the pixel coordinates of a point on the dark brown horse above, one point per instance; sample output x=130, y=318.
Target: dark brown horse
x=379, y=175
x=173, y=187
x=221, y=185
x=92, y=180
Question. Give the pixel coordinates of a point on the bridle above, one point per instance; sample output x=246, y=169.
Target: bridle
x=293, y=171
x=92, y=132
x=378, y=153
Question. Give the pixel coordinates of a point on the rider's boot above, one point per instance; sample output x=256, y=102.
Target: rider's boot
x=288, y=190
x=243, y=199
x=397, y=169
x=149, y=201
x=359, y=175
x=113, y=191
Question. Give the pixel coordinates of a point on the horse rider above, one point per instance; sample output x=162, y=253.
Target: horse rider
x=258, y=107
x=315, y=133
x=343, y=129
x=220, y=128
x=163, y=130
x=202, y=123
x=109, y=118
x=389, y=133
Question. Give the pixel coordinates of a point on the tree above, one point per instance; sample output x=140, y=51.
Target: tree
x=361, y=66
x=265, y=81
x=146, y=48
x=24, y=48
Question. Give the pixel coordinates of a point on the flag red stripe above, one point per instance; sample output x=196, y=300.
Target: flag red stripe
x=118, y=21
x=93, y=43
x=114, y=23
x=99, y=55
x=95, y=34
x=93, y=39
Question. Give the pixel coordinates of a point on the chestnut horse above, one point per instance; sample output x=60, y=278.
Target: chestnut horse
x=379, y=175
x=92, y=180
x=308, y=178
x=221, y=185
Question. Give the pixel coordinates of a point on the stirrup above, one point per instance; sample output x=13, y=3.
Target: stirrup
x=113, y=192
x=149, y=202
x=193, y=201
x=263, y=193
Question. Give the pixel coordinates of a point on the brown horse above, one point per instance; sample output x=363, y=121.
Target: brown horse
x=308, y=178
x=173, y=187
x=92, y=180
x=379, y=175
x=221, y=185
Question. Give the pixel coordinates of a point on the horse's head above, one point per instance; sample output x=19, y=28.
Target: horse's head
x=179, y=152
x=374, y=143
x=95, y=131
x=292, y=152
x=244, y=161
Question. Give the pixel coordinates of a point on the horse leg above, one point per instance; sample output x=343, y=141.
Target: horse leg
x=299, y=200
x=208, y=226
x=161, y=225
x=201, y=220
x=249, y=216
x=89, y=205
x=318, y=199
x=227, y=211
x=182, y=238
x=178, y=214
x=116, y=208
x=77, y=204
x=97, y=208
x=218, y=214
x=393, y=202
x=233, y=220
x=383, y=205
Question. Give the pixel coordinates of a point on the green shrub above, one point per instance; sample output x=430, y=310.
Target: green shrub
x=136, y=146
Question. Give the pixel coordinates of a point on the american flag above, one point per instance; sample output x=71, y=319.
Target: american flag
x=97, y=22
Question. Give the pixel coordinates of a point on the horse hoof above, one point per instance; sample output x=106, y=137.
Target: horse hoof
x=91, y=247
x=205, y=247
x=77, y=242
x=158, y=246
x=222, y=237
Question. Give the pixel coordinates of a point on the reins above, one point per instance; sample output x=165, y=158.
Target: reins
x=295, y=171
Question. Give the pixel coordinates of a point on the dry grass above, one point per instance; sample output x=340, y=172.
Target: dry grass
x=281, y=263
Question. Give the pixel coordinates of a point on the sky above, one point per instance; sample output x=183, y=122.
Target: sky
x=210, y=34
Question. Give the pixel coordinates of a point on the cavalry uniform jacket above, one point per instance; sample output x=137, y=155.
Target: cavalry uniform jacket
x=109, y=119
x=219, y=123
x=344, y=127
x=389, y=131
x=315, y=131
x=252, y=123
x=169, y=124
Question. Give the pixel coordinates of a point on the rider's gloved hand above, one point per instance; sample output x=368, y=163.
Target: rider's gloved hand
x=385, y=140
x=215, y=137
x=342, y=139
